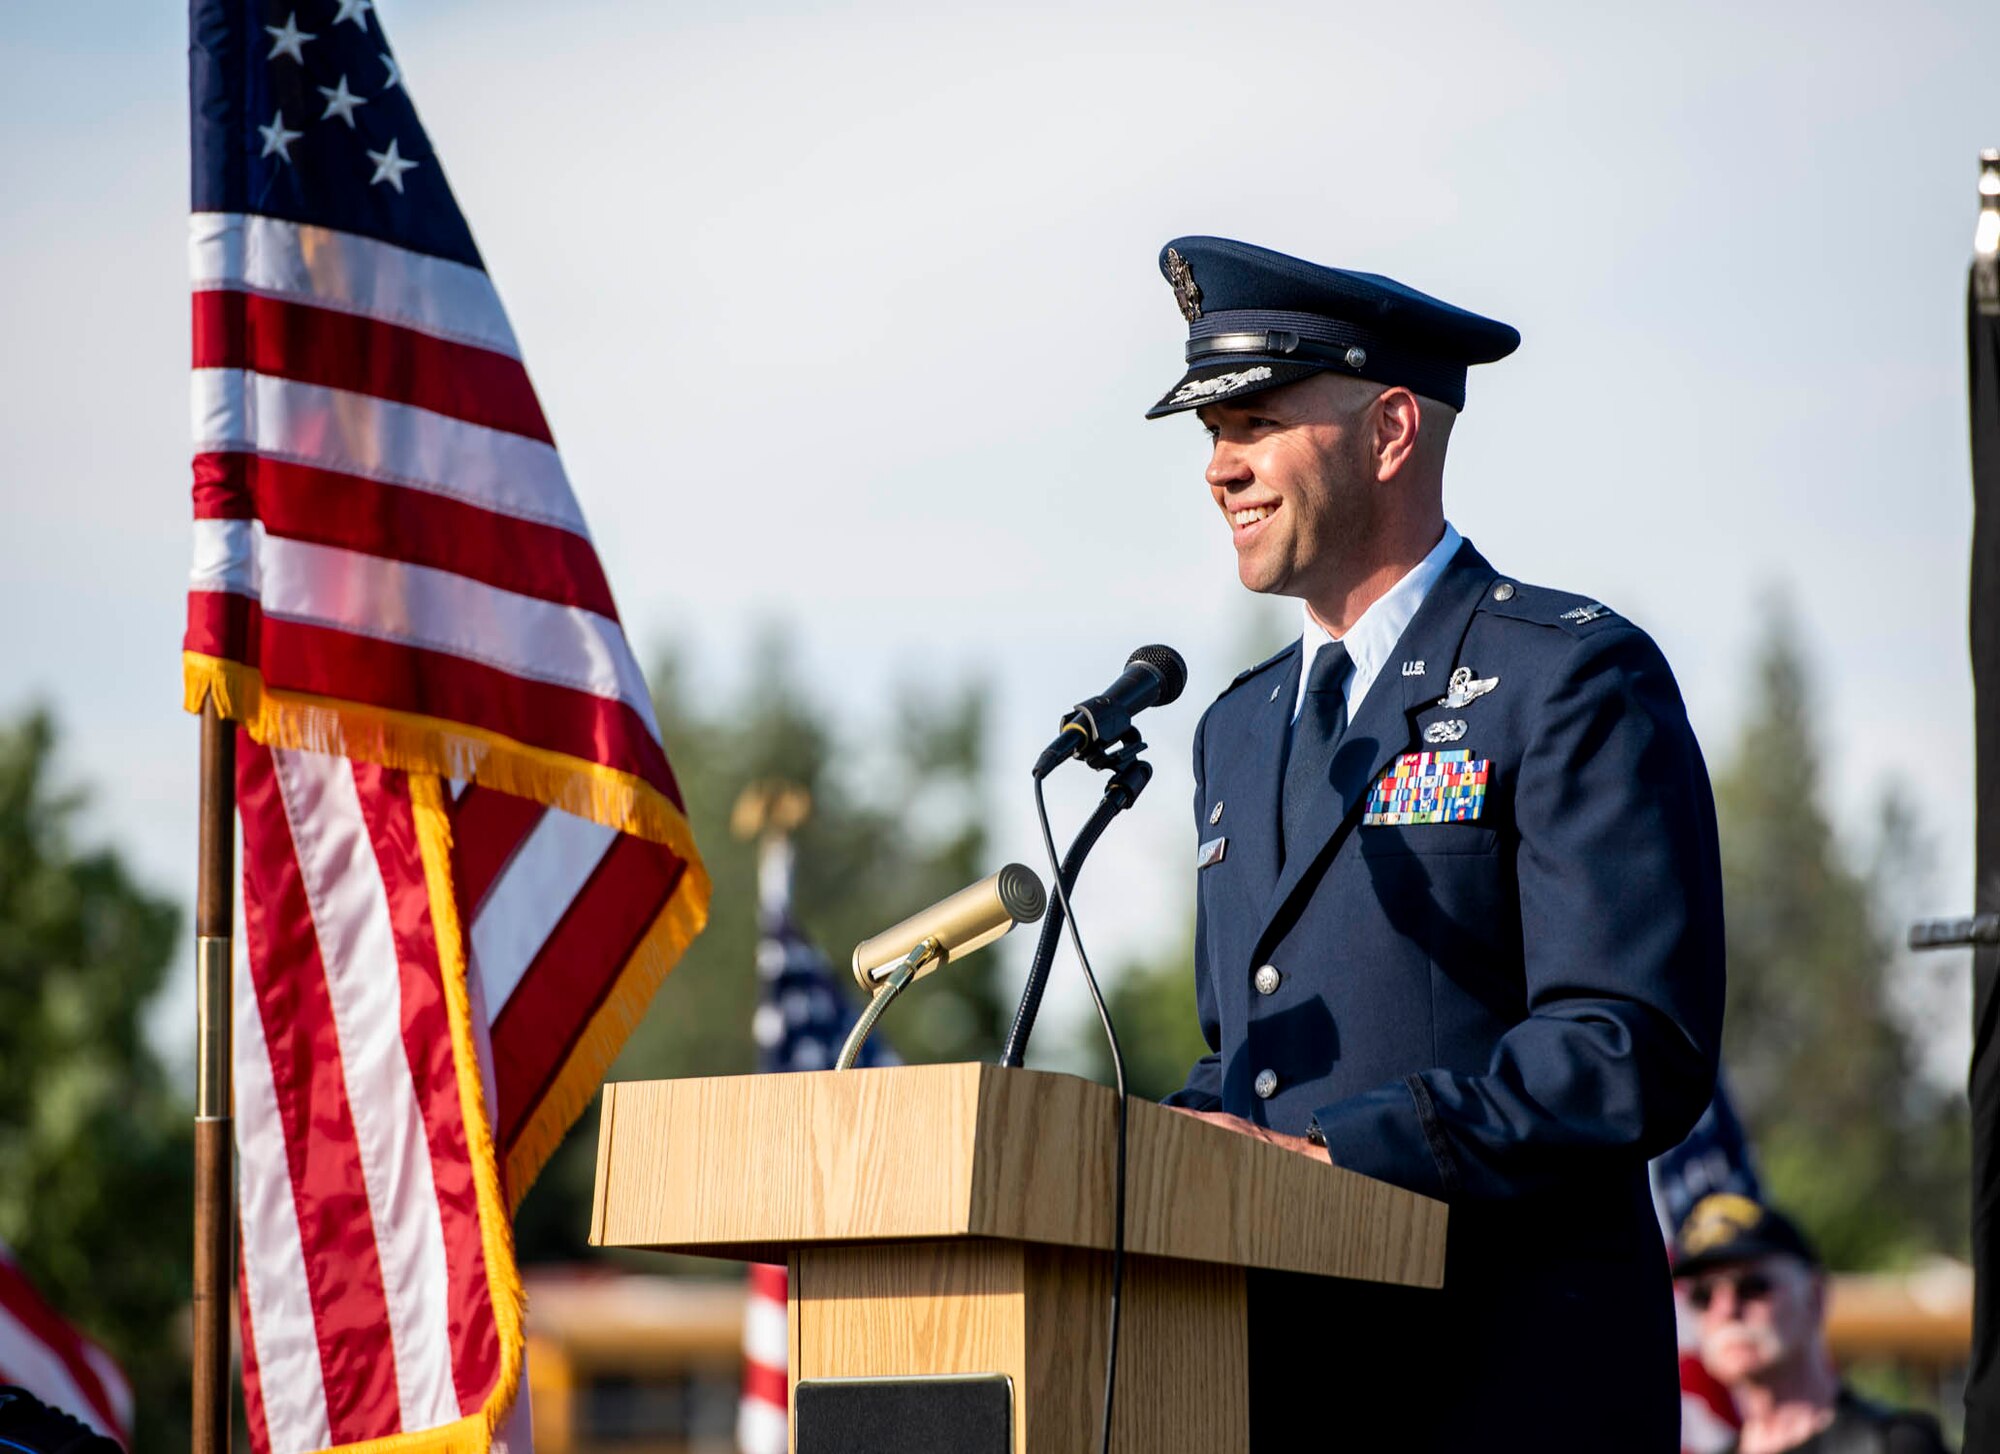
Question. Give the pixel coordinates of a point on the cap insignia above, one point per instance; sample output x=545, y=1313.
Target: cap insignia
x=1716, y=1219
x=1187, y=292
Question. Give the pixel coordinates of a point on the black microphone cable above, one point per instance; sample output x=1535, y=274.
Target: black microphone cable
x=1120, y=793
x=1118, y=1073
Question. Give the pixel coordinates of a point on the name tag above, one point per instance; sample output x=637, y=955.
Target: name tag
x=1429, y=787
x=1210, y=853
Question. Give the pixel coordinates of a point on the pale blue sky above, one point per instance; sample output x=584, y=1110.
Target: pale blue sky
x=846, y=316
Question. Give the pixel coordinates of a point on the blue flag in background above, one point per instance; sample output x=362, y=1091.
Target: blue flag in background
x=1714, y=1157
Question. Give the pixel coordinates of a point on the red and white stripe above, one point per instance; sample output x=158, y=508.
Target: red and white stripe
x=381, y=516
x=41, y=1352
x=367, y=1307
x=554, y=908
x=761, y=1423
x=383, y=528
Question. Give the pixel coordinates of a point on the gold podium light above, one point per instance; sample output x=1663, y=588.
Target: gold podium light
x=970, y=919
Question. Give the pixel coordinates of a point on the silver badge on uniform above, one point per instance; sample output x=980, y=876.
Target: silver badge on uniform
x=1449, y=730
x=1465, y=688
x=1211, y=853
x=1581, y=614
x=1413, y=668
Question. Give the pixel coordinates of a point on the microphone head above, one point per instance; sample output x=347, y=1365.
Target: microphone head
x=1167, y=662
x=1021, y=893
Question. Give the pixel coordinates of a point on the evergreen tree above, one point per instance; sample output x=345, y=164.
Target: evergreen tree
x=1846, y=1132
x=1152, y=1006
x=96, y=1182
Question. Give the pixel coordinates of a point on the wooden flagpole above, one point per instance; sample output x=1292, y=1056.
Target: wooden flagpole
x=214, y=1131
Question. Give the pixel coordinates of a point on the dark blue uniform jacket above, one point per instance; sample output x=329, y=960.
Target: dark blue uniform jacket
x=1511, y=1013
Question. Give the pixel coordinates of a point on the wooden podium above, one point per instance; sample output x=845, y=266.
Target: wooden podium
x=956, y=1220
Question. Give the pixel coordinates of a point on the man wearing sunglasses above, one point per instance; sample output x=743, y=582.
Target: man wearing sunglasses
x=1758, y=1290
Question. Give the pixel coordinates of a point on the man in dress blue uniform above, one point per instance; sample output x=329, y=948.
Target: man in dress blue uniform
x=1459, y=919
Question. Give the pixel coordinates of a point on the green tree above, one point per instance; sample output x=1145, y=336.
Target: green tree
x=889, y=833
x=95, y=1150
x=1846, y=1131
x=1152, y=1007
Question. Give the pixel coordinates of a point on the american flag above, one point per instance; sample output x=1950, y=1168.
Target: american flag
x=801, y=1022
x=41, y=1352
x=466, y=862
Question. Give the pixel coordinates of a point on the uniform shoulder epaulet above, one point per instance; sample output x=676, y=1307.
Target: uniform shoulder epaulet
x=1274, y=659
x=1564, y=610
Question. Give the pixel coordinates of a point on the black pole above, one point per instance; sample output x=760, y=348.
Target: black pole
x=1982, y=1384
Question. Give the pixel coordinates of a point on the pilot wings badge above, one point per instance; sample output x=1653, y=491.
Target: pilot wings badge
x=1466, y=688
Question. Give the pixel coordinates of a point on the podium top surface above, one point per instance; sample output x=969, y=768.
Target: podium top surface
x=753, y=1166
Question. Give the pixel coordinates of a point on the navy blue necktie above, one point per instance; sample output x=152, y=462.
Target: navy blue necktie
x=1322, y=718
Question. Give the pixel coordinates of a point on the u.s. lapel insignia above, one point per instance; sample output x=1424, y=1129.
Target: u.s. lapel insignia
x=1186, y=293
x=1211, y=853
x=1465, y=688
x=1413, y=668
x=1449, y=730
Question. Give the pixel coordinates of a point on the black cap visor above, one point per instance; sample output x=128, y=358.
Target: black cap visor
x=1743, y=1249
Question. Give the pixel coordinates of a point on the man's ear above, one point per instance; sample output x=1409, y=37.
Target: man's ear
x=1398, y=421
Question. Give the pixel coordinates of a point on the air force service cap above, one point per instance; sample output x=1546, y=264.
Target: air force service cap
x=1258, y=319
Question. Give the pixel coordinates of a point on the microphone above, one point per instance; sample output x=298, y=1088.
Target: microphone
x=970, y=919
x=1153, y=677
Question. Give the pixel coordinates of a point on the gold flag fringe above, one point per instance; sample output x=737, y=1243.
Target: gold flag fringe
x=420, y=744
x=472, y=1434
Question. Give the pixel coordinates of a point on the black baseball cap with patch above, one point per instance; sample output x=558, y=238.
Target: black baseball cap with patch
x=1725, y=1227
x=1258, y=319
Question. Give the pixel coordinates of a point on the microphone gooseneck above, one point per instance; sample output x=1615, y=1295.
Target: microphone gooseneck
x=952, y=928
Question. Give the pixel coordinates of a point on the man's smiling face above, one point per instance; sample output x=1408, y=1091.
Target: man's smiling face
x=1288, y=468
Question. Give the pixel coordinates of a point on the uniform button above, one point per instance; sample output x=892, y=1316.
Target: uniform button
x=1503, y=592
x=1268, y=979
x=1267, y=1084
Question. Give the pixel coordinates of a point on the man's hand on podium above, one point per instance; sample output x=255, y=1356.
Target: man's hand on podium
x=1261, y=1133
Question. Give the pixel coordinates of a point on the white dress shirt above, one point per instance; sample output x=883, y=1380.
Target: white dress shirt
x=1371, y=639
